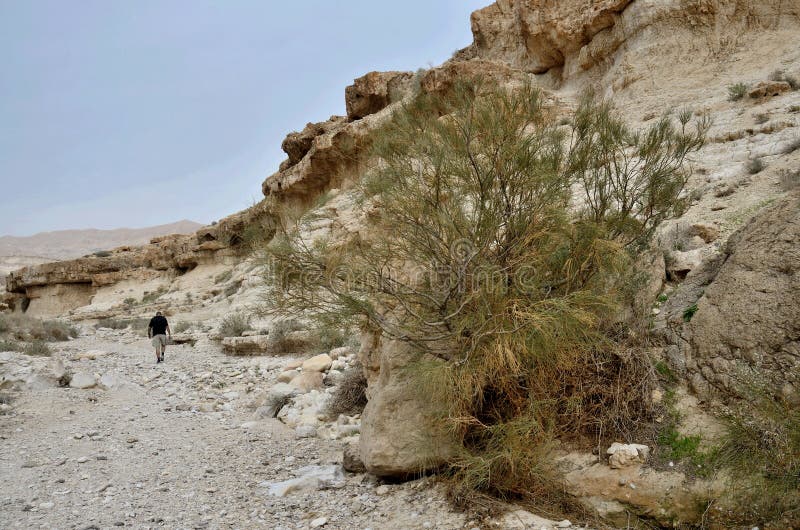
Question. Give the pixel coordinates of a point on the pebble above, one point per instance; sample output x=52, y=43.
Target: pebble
x=318, y=522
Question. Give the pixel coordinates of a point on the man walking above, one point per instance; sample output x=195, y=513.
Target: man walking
x=157, y=330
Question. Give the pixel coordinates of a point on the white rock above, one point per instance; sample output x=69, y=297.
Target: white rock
x=309, y=478
x=382, y=490
x=110, y=380
x=566, y=523
x=305, y=431
x=82, y=380
x=307, y=381
x=319, y=521
x=625, y=455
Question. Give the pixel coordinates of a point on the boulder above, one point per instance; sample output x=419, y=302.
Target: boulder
x=252, y=345
x=625, y=455
x=82, y=380
x=537, y=35
x=748, y=318
x=309, y=478
x=351, y=459
x=400, y=434
x=374, y=91
x=769, y=88
x=318, y=363
x=307, y=381
x=277, y=397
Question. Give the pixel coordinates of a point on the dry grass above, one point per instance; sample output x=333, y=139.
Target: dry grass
x=24, y=328
x=38, y=348
x=350, y=397
x=762, y=451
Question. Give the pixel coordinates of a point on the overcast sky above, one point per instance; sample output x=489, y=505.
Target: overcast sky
x=140, y=112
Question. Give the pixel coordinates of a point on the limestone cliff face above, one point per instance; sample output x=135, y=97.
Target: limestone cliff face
x=55, y=288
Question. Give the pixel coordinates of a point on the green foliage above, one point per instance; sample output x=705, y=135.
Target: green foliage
x=737, y=91
x=680, y=446
x=794, y=108
x=664, y=371
x=327, y=337
x=129, y=302
x=689, y=312
x=480, y=256
x=39, y=348
x=663, y=297
x=235, y=324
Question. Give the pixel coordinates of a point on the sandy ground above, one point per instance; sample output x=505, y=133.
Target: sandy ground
x=174, y=445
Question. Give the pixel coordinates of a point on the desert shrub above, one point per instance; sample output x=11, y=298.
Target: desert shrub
x=101, y=254
x=502, y=281
x=223, y=276
x=279, y=334
x=794, y=108
x=755, y=165
x=180, y=327
x=232, y=289
x=9, y=345
x=689, y=313
x=54, y=330
x=24, y=327
x=129, y=302
x=235, y=324
x=789, y=180
x=350, y=396
x=761, y=449
x=38, y=347
x=737, y=91
x=151, y=296
x=326, y=338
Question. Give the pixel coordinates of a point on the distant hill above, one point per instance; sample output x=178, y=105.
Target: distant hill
x=66, y=244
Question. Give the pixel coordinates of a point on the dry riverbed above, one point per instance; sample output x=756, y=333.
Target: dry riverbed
x=177, y=445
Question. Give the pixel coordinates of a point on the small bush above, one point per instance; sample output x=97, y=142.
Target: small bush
x=129, y=302
x=792, y=146
x=9, y=345
x=150, y=297
x=689, y=312
x=350, y=396
x=789, y=180
x=235, y=324
x=38, y=348
x=794, y=108
x=762, y=450
x=101, y=254
x=680, y=446
x=327, y=338
x=180, y=327
x=737, y=91
x=223, y=277
x=54, y=330
x=755, y=165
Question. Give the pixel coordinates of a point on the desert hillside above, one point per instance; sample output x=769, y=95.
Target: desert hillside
x=67, y=244
x=556, y=275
